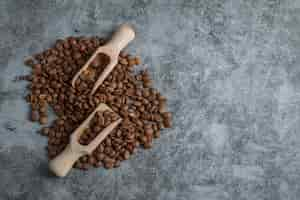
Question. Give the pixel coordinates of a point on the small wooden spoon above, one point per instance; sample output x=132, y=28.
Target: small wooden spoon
x=119, y=40
x=62, y=163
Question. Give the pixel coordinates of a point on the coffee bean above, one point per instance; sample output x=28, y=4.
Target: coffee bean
x=85, y=166
x=97, y=129
x=108, y=162
x=126, y=155
x=117, y=164
x=45, y=131
x=78, y=165
x=92, y=160
x=108, y=142
x=157, y=134
x=58, y=134
x=98, y=164
x=149, y=132
x=145, y=93
x=157, y=118
x=147, y=145
x=100, y=156
x=123, y=61
x=34, y=115
x=29, y=62
x=162, y=106
x=96, y=62
x=84, y=158
x=143, y=139
x=43, y=109
x=136, y=143
x=57, y=142
x=137, y=61
x=167, y=119
x=123, y=54
x=147, y=126
x=108, y=165
x=76, y=55
x=131, y=62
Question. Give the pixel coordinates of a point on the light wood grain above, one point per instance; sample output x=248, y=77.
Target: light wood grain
x=62, y=163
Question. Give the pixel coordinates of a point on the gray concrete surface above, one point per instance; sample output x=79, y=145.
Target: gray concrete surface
x=230, y=70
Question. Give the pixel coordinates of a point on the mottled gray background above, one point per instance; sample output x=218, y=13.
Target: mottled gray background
x=230, y=70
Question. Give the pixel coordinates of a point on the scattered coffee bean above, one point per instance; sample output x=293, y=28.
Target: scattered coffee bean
x=43, y=120
x=45, y=131
x=157, y=134
x=126, y=155
x=29, y=62
x=34, y=115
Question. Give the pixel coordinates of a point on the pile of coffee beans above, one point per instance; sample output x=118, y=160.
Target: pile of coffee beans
x=130, y=95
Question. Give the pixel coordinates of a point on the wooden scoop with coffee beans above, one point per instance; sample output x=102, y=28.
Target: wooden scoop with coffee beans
x=62, y=163
x=112, y=49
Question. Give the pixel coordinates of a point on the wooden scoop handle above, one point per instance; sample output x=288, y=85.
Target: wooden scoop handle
x=62, y=163
x=121, y=38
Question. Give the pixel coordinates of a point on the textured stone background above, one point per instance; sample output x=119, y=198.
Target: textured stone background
x=230, y=70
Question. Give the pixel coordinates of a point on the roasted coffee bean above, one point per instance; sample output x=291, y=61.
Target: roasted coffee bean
x=149, y=132
x=131, y=62
x=29, y=62
x=107, y=142
x=136, y=143
x=147, y=145
x=123, y=61
x=167, y=119
x=126, y=155
x=157, y=118
x=157, y=134
x=96, y=62
x=98, y=164
x=137, y=60
x=45, y=131
x=43, y=109
x=108, y=162
x=100, y=156
x=92, y=160
x=162, y=106
x=123, y=54
x=117, y=164
x=78, y=165
x=147, y=126
x=97, y=129
x=143, y=139
x=85, y=166
x=108, y=165
x=84, y=159
x=43, y=119
x=58, y=134
x=34, y=115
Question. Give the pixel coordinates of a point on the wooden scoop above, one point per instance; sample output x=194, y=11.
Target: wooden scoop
x=62, y=163
x=119, y=40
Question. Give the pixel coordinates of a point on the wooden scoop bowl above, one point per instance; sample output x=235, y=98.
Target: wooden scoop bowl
x=62, y=163
x=112, y=48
